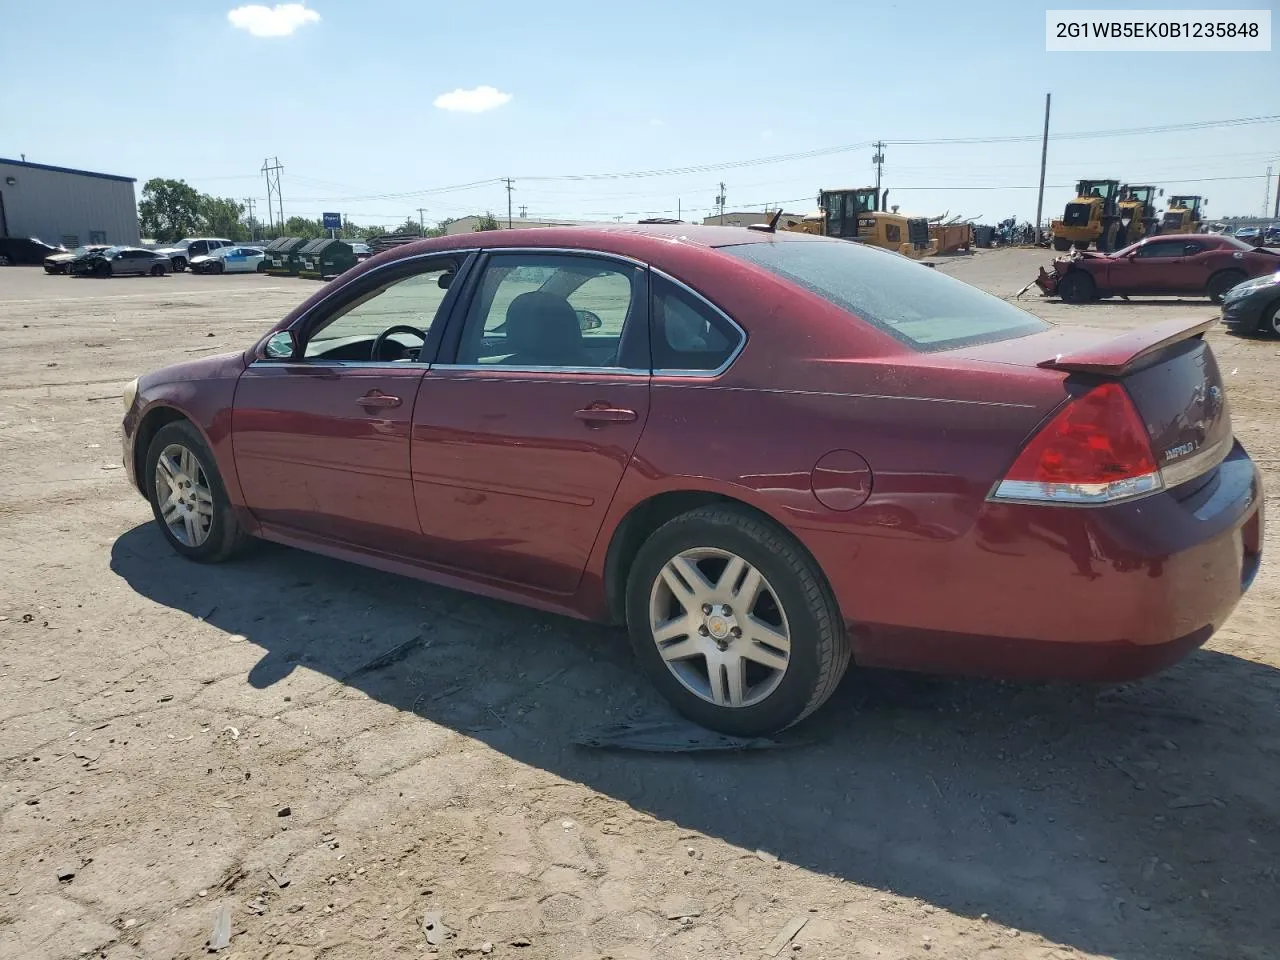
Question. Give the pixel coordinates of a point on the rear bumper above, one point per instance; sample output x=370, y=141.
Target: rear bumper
x=1057, y=593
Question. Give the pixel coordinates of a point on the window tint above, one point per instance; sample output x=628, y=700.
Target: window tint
x=924, y=308
x=411, y=301
x=688, y=334
x=538, y=310
x=1162, y=248
x=1191, y=249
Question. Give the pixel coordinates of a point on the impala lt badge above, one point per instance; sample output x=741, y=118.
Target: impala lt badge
x=1181, y=450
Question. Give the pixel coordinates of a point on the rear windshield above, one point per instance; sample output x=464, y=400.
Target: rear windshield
x=920, y=306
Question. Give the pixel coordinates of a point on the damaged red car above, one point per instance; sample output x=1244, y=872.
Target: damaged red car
x=1187, y=265
x=766, y=454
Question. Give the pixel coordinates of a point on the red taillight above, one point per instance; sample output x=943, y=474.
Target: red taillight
x=1094, y=450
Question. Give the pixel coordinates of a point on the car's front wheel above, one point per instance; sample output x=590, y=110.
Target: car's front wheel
x=179, y=264
x=157, y=270
x=734, y=623
x=1077, y=287
x=1061, y=244
x=187, y=495
x=1271, y=319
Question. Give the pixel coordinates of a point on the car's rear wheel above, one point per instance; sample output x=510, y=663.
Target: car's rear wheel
x=1223, y=281
x=262, y=267
x=734, y=623
x=1061, y=244
x=1077, y=287
x=157, y=271
x=187, y=496
x=179, y=264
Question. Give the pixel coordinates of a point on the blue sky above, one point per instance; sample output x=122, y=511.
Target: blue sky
x=347, y=102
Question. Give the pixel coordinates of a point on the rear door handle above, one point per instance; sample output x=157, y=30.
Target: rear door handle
x=377, y=400
x=605, y=414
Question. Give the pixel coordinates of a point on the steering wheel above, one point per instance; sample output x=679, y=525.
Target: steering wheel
x=375, y=353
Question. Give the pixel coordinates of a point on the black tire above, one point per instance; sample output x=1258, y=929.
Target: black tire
x=820, y=650
x=218, y=267
x=1106, y=241
x=1221, y=282
x=5, y=260
x=158, y=270
x=225, y=536
x=1077, y=287
x=1270, y=322
x=262, y=267
x=1061, y=244
x=1081, y=244
x=1121, y=238
x=179, y=264
x=102, y=270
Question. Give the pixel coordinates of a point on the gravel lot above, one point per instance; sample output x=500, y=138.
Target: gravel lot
x=176, y=738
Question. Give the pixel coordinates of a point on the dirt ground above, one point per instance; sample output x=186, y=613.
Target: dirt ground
x=158, y=717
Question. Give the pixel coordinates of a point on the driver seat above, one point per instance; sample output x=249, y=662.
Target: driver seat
x=543, y=331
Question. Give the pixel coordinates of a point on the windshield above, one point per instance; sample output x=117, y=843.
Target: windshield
x=923, y=308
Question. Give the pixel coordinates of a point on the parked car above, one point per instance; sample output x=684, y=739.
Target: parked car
x=184, y=251
x=1187, y=265
x=1250, y=235
x=1254, y=306
x=61, y=262
x=701, y=432
x=121, y=261
x=25, y=251
x=231, y=260
x=1272, y=236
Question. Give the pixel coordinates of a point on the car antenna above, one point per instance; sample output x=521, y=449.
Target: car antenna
x=771, y=226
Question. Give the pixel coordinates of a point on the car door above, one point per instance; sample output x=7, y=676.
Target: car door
x=321, y=435
x=521, y=439
x=127, y=262
x=1155, y=267
x=233, y=259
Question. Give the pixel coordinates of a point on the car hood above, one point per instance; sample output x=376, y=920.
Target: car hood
x=202, y=258
x=61, y=257
x=218, y=367
x=170, y=251
x=1251, y=286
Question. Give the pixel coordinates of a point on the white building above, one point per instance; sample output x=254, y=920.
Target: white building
x=61, y=205
x=745, y=218
x=469, y=224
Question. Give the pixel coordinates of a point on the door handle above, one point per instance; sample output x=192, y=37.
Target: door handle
x=376, y=400
x=604, y=414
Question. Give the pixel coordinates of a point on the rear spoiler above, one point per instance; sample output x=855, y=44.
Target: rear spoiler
x=1125, y=353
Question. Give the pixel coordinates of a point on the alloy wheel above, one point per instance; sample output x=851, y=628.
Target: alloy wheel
x=719, y=627
x=184, y=495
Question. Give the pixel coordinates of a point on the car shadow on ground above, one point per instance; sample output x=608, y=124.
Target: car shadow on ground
x=1136, y=821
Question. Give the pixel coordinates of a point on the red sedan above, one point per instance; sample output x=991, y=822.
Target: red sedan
x=1196, y=265
x=766, y=454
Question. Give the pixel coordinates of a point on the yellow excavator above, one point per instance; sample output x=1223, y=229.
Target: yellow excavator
x=1183, y=215
x=861, y=214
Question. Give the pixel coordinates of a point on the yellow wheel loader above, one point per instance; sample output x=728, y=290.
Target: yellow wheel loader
x=860, y=214
x=1183, y=215
x=1093, y=217
x=1137, y=214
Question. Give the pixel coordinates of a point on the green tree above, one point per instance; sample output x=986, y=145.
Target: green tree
x=220, y=217
x=441, y=228
x=169, y=209
x=303, y=227
x=410, y=226
x=487, y=222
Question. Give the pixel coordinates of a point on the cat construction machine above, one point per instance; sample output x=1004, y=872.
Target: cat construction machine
x=1137, y=214
x=1183, y=215
x=1092, y=217
x=861, y=214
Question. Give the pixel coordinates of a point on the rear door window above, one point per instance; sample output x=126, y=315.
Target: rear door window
x=922, y=307
x=689, y=335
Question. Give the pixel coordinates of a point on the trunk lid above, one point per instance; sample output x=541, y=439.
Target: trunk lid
x=1167, y=369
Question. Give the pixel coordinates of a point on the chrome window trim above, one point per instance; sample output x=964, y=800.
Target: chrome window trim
x=315, y=362
x=569, y=251
x=503, y=368
x=699, y=374
x=1200, y=462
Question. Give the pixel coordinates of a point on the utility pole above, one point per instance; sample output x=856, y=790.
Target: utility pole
x=1277, y=212
x=253, y=224
x=271, y=170
x=1266, y=194
x=422, y=223
x=523, y=211
x=1044, y=158
x=878, y=159
x=678, y=215
x=508, y=182
x=720, y=198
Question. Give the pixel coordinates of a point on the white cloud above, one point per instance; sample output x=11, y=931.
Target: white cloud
x=278, y=21
x=472, y=101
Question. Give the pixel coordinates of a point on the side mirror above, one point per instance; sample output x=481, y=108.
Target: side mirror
x=280, y=346
x=588, y=320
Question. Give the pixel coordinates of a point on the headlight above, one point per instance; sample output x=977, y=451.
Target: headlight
x=130, y=394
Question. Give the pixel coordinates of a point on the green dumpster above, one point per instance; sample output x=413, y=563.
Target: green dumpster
x=282, y=256
x=326, y=258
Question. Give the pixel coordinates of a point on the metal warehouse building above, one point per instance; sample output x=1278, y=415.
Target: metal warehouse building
x=71, y=207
